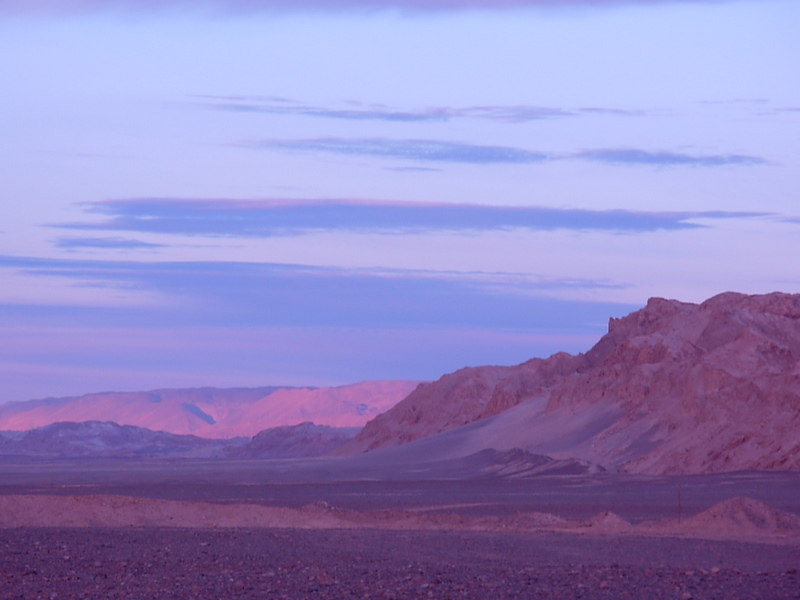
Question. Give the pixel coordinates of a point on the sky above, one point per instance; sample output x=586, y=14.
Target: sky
x=273, y=192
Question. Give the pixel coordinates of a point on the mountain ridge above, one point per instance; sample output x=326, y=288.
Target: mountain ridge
x=108, y=440
x=214, y=412
x=674, y=387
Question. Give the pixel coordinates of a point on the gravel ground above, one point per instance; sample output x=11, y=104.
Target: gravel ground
x=163, y=563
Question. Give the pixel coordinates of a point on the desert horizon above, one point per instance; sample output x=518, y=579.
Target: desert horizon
x=399, y=299
x=635, y=391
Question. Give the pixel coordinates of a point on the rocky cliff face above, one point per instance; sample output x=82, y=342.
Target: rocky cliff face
x=672, y=388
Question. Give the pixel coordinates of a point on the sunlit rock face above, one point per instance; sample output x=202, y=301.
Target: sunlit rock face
x=672, y=388
x=213, y=412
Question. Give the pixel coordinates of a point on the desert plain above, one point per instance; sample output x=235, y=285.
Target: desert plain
x=339, y=528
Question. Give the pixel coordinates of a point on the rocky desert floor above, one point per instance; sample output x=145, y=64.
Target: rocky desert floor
x=301, y=529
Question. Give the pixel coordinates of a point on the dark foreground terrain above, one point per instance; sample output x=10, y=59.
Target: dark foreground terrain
x=152, y=563
x=322, y=529
x=363, y=486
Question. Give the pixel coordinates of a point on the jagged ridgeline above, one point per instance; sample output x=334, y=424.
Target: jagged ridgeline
x=672, y=388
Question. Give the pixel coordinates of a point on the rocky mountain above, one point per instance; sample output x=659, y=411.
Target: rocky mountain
x=106, y=440
x=672, y=388
x=94, y=439
x=295, y=441
x=212, y=412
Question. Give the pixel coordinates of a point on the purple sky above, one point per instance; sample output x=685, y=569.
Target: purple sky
x=257, y=192
x=372, y=6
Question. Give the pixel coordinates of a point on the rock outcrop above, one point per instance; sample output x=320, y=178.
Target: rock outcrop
x=293, y=441
x=672, y=388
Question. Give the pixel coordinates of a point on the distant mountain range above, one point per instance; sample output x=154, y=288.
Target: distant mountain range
x=212, y=412
x=95, y=439
x=674, y=388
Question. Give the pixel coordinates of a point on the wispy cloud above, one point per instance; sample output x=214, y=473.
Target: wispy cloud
x=618, y=112
x=761, y=107
x=514, y=114
x=779, y=111
x=439, y=151
x=369, y=6
x=223, y=323
x=264, y=294
x=267, y=218
x=359, y=111
x=104, y=243
x=414, y=150
x=413, y=169
x=353, y=112
x=633, y=156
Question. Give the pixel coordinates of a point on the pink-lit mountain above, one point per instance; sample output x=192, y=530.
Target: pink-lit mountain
x=672, y=388
x=212, y=412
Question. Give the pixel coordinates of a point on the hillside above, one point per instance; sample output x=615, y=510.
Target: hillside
x=93, y=439
x=672, y=388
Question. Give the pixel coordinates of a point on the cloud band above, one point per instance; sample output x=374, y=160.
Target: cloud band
x=269, y=218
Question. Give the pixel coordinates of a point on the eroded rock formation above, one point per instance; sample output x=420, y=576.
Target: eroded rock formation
x=672, y=388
